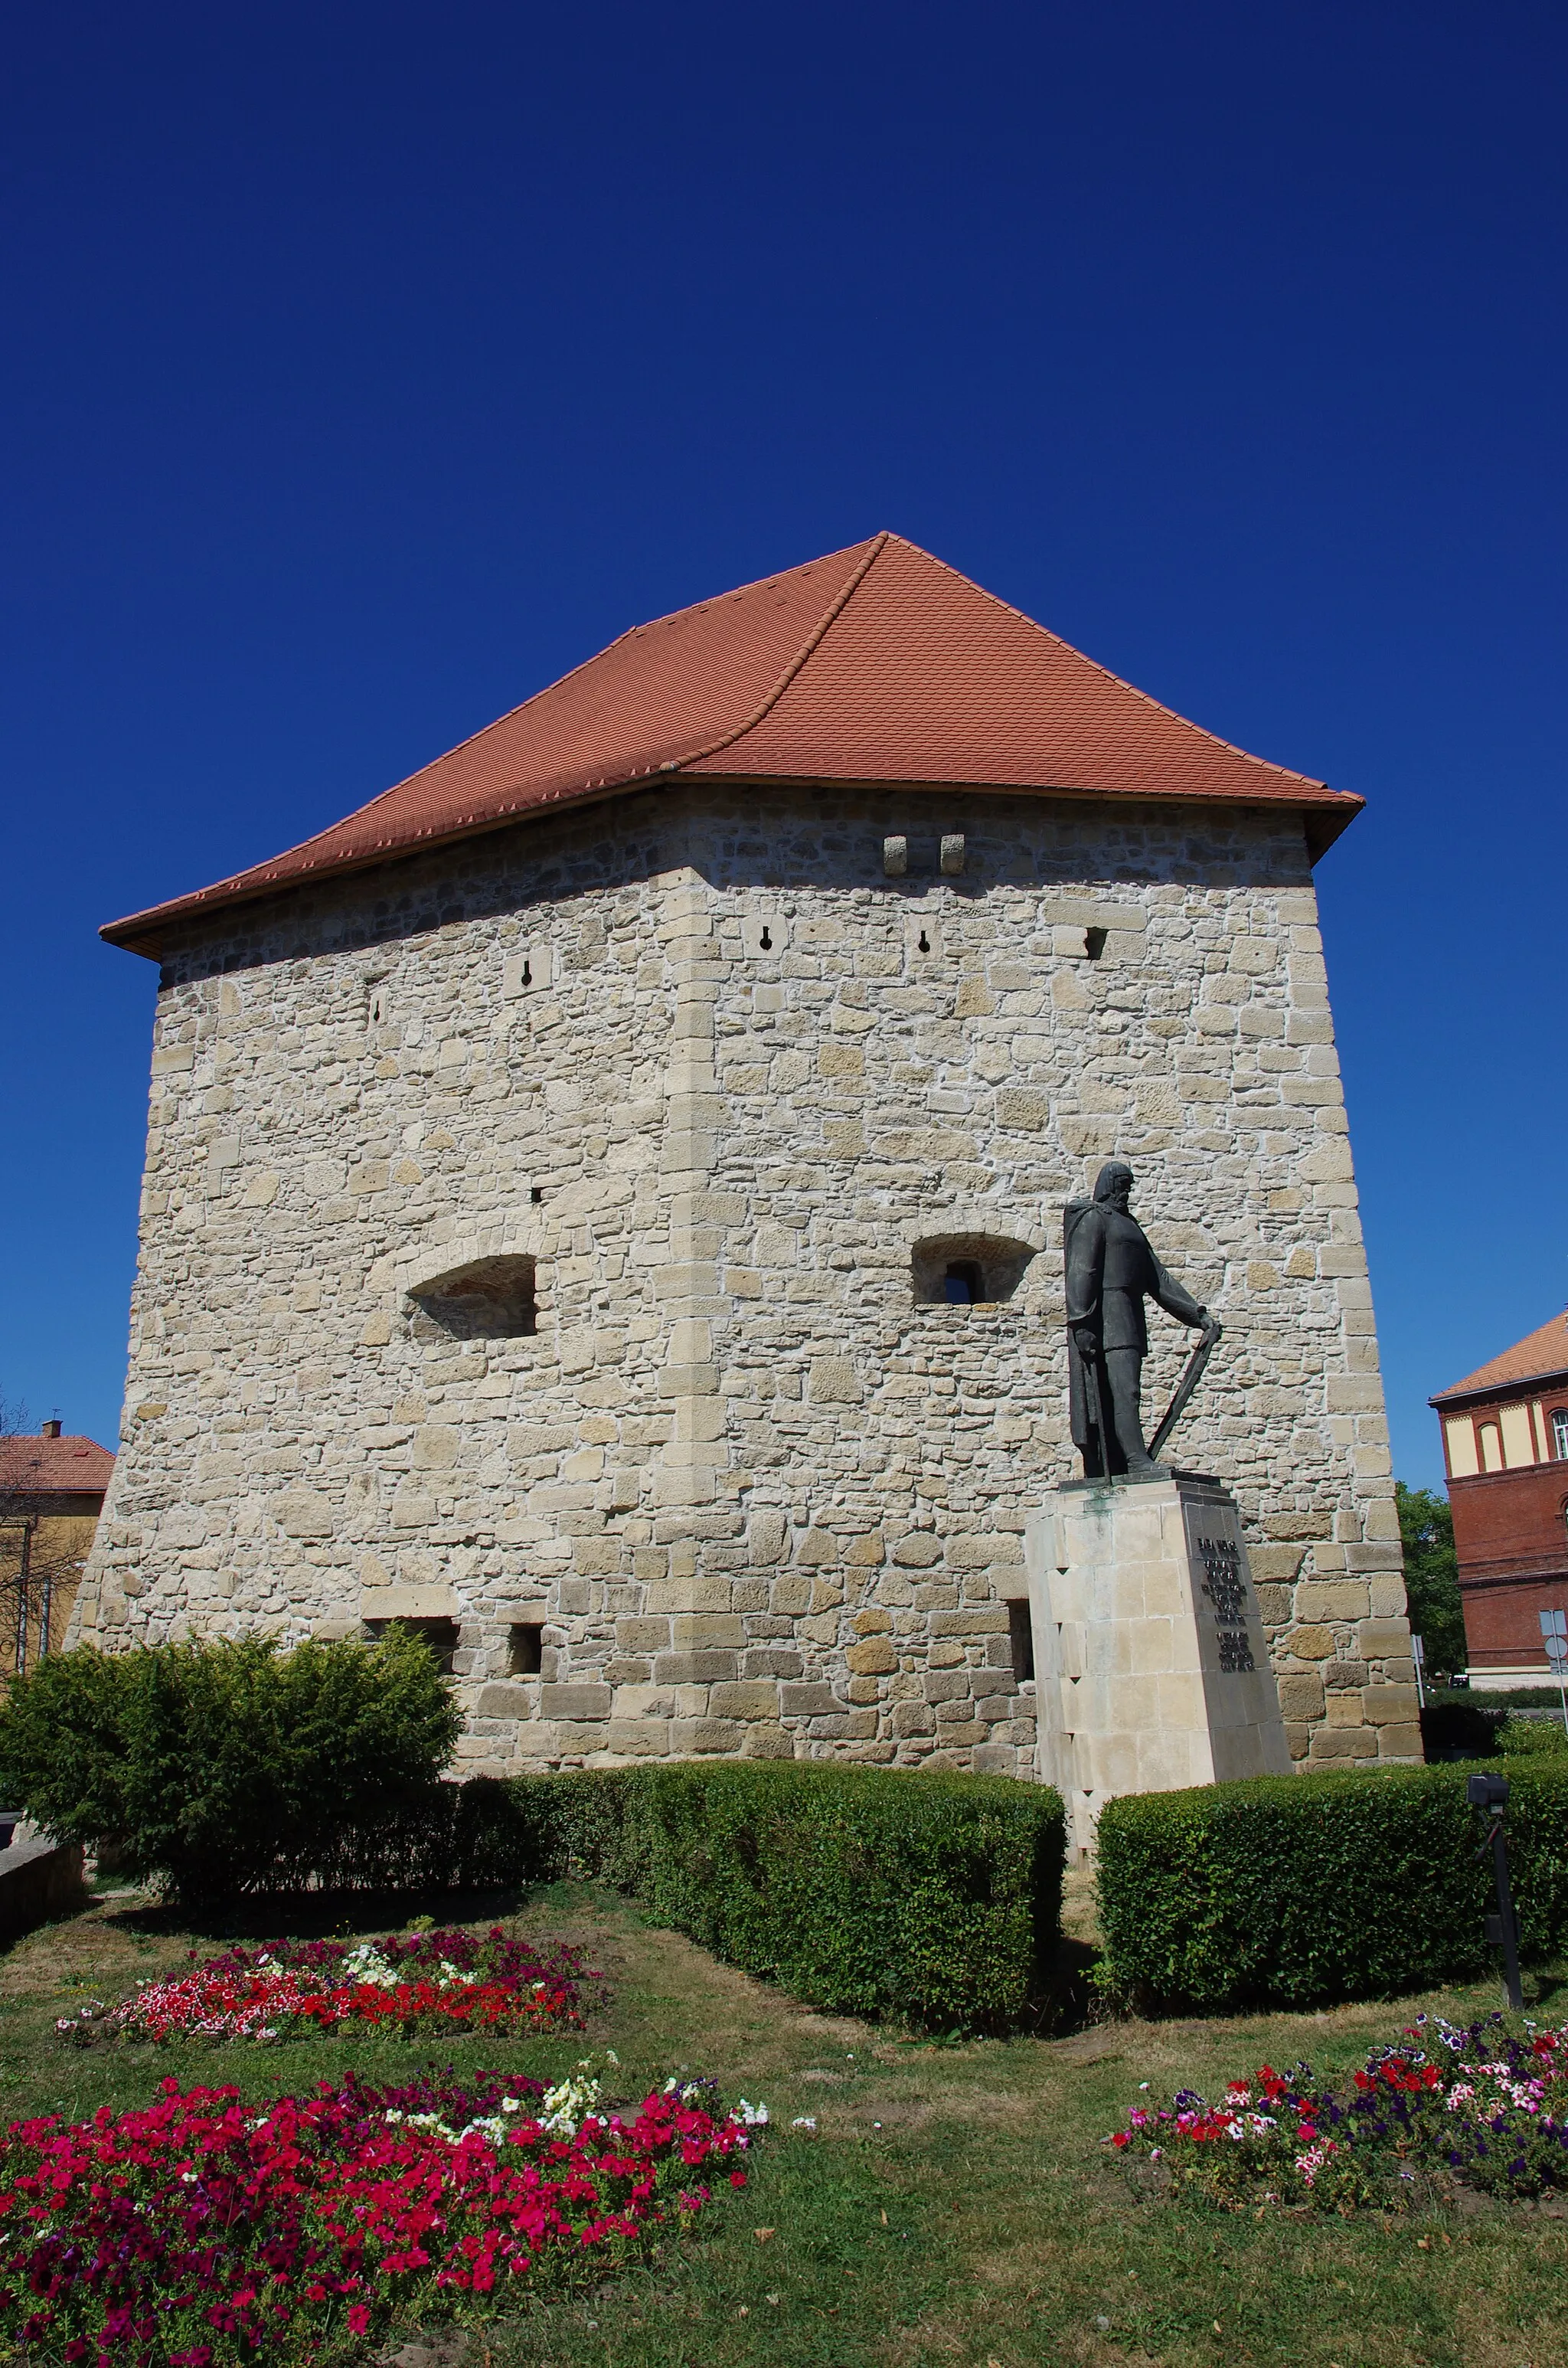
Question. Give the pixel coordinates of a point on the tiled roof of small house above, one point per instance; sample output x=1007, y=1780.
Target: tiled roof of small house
x=877, y=664
x=1538, y=1357
x=34, y=1464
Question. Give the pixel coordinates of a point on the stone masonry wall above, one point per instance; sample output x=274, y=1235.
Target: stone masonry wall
x=695, y=1054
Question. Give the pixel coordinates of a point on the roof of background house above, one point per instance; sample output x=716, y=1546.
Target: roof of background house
x=31, y=1464
x=1535, y=1358
x=877, y=664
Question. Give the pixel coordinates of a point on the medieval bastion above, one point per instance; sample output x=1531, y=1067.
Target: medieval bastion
x=603, y=1200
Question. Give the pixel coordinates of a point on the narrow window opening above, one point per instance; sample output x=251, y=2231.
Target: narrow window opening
x=524, y=1652
x=924, y=943
x=528, y=973
x=535, y=1194
x=1560, y=1433
x=494, y=1299
x=967, y=1269
x=1020, y=1632
x=963, y=1284
x=766, y=941
x=440, y=1636
x=1093, y=944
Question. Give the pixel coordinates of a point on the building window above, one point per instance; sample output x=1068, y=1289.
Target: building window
x=967, y=1269
x=1491, y=1447
x=489, y=1299
x=1560, y=1433
x=524, y=1648
x=441, y=1635
x=1020, y=1632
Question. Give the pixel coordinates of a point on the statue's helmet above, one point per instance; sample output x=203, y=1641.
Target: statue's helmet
x=1113, y=1177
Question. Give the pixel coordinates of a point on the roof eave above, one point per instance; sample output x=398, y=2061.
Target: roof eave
x=1465, y=1392
x=1325, y=816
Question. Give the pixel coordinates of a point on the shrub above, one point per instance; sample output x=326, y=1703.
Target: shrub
x=1294, y=1890
x=859, y=1890
x=1531, y=1738
x=221, y=1768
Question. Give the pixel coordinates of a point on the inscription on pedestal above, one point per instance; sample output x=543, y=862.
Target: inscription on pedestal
x=1226, y=1589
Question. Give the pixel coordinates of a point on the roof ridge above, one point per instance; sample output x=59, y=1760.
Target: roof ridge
x=1265, y=764
x=770, y=698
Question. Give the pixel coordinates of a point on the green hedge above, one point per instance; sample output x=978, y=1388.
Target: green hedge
x=1534, y=1739
x=223, y=1768
x=1296, y=1890
x=935, y=1899
x=217, y=1770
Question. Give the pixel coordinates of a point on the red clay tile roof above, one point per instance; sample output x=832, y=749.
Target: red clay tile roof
x=876, y=664
x=34, y=1466
x=1537, y=1356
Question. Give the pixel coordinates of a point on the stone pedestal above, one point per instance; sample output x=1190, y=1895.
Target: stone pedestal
x=1151, y=1671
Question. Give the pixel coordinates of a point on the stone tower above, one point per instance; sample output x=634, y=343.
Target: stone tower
x=602, y=1198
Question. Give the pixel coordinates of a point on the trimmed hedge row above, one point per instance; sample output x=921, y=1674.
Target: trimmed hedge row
x=936, y=1898
x=1294, y=1890
x=222, y=1770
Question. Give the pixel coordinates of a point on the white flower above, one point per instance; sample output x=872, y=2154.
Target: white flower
x=754, y=2116
x=804, y=2121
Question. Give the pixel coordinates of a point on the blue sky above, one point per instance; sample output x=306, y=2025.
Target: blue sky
x=366, y=368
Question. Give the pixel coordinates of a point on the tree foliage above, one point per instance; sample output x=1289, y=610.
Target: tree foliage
x=1431, y=1576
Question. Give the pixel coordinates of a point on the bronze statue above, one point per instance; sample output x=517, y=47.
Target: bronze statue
x=1111, y=1269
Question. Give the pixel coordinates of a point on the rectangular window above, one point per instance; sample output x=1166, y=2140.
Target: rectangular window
x=1560, y=1433
x=1020, y=1630
x=525, y=1649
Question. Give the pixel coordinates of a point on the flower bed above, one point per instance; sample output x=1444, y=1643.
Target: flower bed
x=1477, y=2106
x=416, y=1984
x=204, y=2231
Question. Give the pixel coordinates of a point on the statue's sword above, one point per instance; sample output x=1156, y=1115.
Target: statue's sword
x=1187, y=1384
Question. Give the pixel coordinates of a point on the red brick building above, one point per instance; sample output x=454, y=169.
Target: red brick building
x=1506, y=1443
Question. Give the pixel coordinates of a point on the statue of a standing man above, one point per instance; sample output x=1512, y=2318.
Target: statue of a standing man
x=1111, y=1269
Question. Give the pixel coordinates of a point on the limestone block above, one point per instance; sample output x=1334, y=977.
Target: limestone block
x=507, y=1701
x=809, y=1700
x=1391, y=1705
x=305, y=1513
x=744, y=1699
x=875, y=1657
x=701, y=1667
x=834, y=1382
x=1376, y=1639
x=1320, y=1600
x=919, y=1551
x=1346, y=1743
x=1300, y=1696
x=574, y=1701
x=700, y=1737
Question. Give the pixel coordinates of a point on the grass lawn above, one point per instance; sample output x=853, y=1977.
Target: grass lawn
x=954, y=2203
